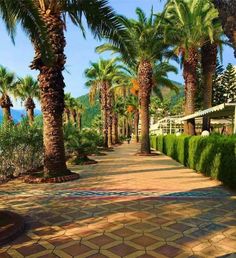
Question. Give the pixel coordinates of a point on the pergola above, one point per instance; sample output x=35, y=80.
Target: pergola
x=220, y=111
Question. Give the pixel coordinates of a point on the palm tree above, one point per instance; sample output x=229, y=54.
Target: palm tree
x=227, y=11
x=67, y=100
x=70, y=108
x=102, y=21
x=144, y=49
x=132, y=108
x=209, y=52
x=187, y=25
x=27, y=89
x=79, y=110
x=100, y=76
x=6, y=87
x=25, y=13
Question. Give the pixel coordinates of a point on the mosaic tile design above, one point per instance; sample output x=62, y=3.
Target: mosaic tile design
x=109, y=212
x=92, y=193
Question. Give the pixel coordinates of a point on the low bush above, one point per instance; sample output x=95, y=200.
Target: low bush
x=214, y=156
x=80, y=144
x=21, y=148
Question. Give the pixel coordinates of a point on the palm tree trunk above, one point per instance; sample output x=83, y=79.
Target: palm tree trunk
x=67, y=115
x=30, y=113
x=127, y=127
x=136, y=124
x=110, y=131
x=73, y=116
x=110, y=117
x=190, y=75
x=105, y=112
x=115, y=128
x=227, y=11
x=6, y=114
x=208, y=59
x=6, y=104
x=123, y=127
x=30, y=106
x=145, y=81
x=51, y=83
x=79, y=120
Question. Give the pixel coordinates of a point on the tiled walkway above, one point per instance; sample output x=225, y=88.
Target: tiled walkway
x=124, y=206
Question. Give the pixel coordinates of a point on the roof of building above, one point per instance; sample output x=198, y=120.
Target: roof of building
x=220, y=111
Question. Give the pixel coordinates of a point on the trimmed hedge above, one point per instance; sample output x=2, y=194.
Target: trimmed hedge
x=214, y=156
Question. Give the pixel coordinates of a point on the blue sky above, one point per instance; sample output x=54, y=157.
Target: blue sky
x=79, y=51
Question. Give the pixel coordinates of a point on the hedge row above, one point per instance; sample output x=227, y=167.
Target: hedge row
x=214, y=156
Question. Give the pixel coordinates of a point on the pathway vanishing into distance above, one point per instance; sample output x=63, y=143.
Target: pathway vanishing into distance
x=124, y=206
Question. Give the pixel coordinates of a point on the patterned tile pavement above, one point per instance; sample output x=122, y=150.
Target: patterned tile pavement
x=125, y=206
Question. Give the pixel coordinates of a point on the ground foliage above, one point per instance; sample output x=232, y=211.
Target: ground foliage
x=21, y=148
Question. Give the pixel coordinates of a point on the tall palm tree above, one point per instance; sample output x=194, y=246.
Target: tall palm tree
x=188, y=24
x=132, y=107
x=227, y=11
x=70, y=108
x=27, y=89
x=25, y=13
x=100, y=76
x=145, y=47
x=7, y=80
x=102, y=21
x=209, y=52
x=79, y=110
x=67, y=100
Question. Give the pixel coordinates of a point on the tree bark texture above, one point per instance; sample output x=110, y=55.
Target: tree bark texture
x=136, y=124
x=110, y=118
x=115, y=137
x=227, y=12
x=6, y=104
x=51, y=83
x=79, y=121
x=30, y=106
x=208, y=59
x=190, y=78
x=105, y=111
x=145, y=74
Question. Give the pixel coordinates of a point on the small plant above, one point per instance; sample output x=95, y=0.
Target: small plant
x=21, y=148
x=80, y=144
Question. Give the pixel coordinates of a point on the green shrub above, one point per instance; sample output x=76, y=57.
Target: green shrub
x=169, y=145
x=214, y=156
x=21, y=148
x=153, y=141
x=80, y=144
x=160, y=140
x=181, y=149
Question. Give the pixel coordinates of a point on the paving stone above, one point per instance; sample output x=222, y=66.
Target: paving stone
x=122, y=250
x=168, y=250
x=122, y=206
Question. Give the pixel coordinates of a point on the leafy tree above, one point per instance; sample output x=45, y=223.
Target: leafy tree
x=27, y=89
x=229, y=83
x=217, y=87
x=224, y=85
